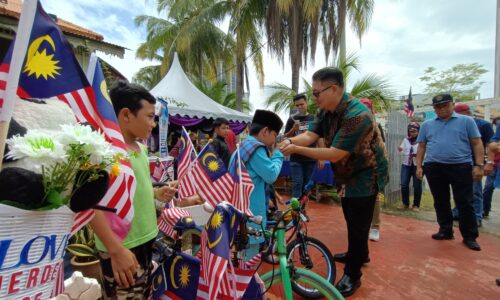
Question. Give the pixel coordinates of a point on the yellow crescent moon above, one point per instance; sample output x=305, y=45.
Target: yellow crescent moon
x=104, y=91
x=183, y=142
x=155, y=282
x=36, y=44
x=211, y=245
x=172, y=271
x=207, y=156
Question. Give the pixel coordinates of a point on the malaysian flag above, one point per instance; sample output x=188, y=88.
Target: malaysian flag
x=215, y=249
x=41, y=64
x=181, y=273
x=243, y=184
x=214, y=183
x=408, y=108
x=122, y=187
x=186, y=157
x=169, y=218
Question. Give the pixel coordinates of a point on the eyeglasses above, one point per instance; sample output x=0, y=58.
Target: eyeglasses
x=317, y=93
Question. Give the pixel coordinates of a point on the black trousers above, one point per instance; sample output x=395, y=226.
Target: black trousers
x=358, y=214
x=459, y=176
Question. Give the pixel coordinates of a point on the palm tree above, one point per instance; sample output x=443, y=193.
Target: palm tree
x=246, y=18
x=189, y=32
x=217, y=92
x=148, y=76
x=296, y=25
x=370, y=86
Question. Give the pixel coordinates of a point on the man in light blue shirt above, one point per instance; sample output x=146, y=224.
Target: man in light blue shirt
x=447, y=143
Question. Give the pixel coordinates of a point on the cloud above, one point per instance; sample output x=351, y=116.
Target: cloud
x=404, y=38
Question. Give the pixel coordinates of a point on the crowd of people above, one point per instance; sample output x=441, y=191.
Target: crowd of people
x=343, y=131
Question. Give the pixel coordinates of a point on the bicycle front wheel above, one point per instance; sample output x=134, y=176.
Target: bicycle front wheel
x=319, y=260
x=301, y=276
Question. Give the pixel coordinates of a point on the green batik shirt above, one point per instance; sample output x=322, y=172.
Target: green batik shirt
x=352, y=128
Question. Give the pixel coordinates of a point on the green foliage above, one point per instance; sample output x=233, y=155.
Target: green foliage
x=370, y=86
x=148, y=76
x=461, y=80
x=82, y=244
x=217, y=92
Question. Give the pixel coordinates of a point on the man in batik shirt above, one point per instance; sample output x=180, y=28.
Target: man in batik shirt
x=358, y=159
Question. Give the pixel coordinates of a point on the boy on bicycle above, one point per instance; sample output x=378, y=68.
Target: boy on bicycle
x=126, y=264
x=263, y=167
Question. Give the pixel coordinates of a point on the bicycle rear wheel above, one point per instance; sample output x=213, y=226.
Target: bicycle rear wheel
x=320, y=261
x=301, y=276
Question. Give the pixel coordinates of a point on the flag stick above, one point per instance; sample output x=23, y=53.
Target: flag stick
x=21, y=42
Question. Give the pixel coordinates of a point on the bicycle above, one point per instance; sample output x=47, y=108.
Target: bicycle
x=305, y=251
x=279, y=282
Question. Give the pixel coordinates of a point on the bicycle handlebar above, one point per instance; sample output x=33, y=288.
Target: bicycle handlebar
x=255, y=219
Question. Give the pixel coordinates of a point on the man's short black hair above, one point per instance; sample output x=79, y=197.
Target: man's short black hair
x=300, y=96
x=129, y=95
x=329, y=74
x=220, y=121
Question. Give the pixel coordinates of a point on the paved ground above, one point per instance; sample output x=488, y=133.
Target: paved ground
x=408, y=264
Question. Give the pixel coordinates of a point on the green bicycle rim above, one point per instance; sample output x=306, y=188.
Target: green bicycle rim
x=303, y=275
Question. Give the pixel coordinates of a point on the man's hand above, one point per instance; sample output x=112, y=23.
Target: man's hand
x=321, y=164
x=420, y=173
x=125, y=265
x=477, y=173
x=296, y=126
x=165, y=193
x=287, y=148
x=488, y=169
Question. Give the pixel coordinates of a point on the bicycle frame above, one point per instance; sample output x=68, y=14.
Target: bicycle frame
x=283, y=259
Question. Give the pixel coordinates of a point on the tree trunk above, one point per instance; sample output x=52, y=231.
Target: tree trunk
x=296, y=43
x=239, y=83
x=342, y=29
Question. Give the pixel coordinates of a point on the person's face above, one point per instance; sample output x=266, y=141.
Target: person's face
x=326, y=94
x=222, y=130
x=142, y=122
x=268, y=137
x=203, y=142
x=193, y=137
x=444, y=110
x=413, y=132
x=301, y=105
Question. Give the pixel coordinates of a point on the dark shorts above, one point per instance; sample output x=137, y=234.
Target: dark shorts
x=142, y=287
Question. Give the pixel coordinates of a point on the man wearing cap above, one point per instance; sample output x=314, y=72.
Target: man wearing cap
x=446, y=144
x=358, y=158
x=486, y=131
x=262, y=166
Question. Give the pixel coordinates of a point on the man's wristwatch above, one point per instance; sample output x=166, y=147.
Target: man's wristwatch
x=489, y=162
x=289, y=140
x=479, y=165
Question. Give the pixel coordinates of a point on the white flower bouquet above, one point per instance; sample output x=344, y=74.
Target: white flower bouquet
x=66, y=159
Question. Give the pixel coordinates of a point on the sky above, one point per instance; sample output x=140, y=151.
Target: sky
x=404, y=38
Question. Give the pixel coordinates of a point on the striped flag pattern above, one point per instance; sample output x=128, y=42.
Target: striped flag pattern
x=409, y=109
x=214, y=183
x=186, y=158
x=169, y=218
x=243, y=185
x=4, y=73
x=212, y=270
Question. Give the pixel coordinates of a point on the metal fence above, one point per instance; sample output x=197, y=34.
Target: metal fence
x=395, y=132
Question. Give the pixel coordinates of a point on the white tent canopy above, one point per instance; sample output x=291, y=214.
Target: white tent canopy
x=185, y=99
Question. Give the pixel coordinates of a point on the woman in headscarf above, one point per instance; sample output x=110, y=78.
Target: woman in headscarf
x=408, y=149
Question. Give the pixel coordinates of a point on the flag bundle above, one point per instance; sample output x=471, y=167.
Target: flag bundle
x=169, y=218
x=214, y=184
x=186, y=158
x=49, y=69
x=243, y=185
x=215, y=249
x=408, y=107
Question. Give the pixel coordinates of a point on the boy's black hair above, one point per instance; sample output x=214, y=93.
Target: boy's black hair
x=220, y=121
x=329, y=74
x=255, y=128
x=129, y=95
x=300, y=96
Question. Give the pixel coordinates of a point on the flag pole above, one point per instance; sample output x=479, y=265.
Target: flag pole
x=240, y=188
x=21, y=42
